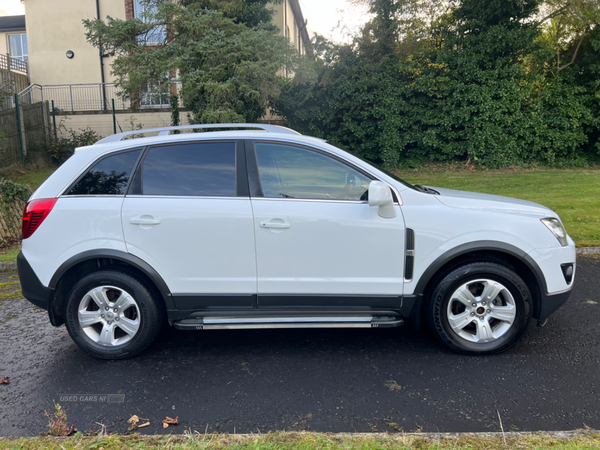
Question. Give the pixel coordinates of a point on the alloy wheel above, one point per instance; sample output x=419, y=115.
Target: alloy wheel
x=481, y=310
x=109, y=316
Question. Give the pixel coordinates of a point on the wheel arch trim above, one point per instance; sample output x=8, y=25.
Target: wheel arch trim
x=128, y=258
x=496, y=246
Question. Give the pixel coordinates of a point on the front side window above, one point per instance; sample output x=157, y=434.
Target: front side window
x=194, y=169
x=145, y=10
x=17, y=46
x=110, y=176
x=293, y=172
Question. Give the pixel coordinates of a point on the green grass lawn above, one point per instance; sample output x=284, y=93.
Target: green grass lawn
x=304, y=441
x=33, y=179
x=9, y=254
x=573, y=193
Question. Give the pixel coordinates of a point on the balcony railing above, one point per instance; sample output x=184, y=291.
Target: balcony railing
x=7, y=62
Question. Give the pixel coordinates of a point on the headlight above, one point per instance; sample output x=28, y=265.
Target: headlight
x=557, y=229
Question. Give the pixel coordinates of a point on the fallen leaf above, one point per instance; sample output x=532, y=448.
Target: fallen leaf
x=168, y=421
x=392, y=385
x=5, y=380
x=579, y=219
x=133, y=420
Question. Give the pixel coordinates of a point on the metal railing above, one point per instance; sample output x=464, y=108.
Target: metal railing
x=33, y=93
x=85, y=97
x=28, y=96
x=99, y=97
x=7, y=62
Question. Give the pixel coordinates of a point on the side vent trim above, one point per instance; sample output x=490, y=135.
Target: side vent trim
x=409, y=258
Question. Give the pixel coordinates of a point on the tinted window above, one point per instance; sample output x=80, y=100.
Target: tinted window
x=294, y=172
x=190, y=170
x=109, y=176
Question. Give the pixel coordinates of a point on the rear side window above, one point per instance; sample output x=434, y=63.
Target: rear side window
x=109, y=176
x=195, y=169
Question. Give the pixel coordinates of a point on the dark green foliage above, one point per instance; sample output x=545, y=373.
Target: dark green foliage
x=476, y=87
x=10, y=192
x=174, y=105
x=62, y=148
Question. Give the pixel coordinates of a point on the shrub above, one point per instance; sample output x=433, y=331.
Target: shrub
x=62, y=148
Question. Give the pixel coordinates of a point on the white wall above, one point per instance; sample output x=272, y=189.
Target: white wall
x=103, y=123
x=54, y=29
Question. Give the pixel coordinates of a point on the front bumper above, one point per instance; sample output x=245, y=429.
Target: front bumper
x=31, y=287
x=550, y=303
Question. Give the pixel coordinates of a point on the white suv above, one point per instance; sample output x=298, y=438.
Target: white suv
x=265, y=228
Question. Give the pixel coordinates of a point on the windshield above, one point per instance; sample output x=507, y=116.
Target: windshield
x=389, y=174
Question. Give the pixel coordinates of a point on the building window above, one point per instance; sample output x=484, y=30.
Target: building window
x=144, y=11
x=154, y=95
x=17, y=46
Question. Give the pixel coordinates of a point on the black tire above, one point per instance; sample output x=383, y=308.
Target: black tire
x=437, y=308
x=148, y=314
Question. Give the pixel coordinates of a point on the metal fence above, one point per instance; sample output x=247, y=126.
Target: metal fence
x=85, y=97
x=99, y=97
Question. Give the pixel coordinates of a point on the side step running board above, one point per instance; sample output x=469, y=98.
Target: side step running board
x=238, y=323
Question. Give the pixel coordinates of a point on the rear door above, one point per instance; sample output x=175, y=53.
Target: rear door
x=188, y=215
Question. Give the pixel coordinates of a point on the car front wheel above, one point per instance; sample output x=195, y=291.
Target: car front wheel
x=112, y=315
x=480, y=308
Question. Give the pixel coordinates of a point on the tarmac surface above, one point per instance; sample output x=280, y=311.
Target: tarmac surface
x=319, y=380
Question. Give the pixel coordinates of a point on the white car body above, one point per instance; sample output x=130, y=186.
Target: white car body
x=253, y=252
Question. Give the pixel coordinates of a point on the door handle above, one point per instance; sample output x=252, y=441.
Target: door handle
x=277, y=225
x=144, y=220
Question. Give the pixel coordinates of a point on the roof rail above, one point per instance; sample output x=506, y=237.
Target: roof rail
x=164, y=131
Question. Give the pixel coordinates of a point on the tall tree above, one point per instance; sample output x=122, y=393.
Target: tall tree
x=227, y=55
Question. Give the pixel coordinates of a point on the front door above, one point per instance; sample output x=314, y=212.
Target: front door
x=318, y=242
x=188, y=215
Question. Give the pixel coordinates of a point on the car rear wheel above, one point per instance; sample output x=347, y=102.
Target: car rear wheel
x=112, y=315
x=480, y=308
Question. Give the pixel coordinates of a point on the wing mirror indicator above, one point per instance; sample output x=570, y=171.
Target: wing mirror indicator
x=380, y=195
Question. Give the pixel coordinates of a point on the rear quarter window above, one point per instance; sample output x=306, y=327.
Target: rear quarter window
x=109, y=176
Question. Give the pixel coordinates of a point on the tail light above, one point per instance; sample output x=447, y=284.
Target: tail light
x=35, y=213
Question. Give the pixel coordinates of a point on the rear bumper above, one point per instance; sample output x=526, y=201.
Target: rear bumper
x=31, y=287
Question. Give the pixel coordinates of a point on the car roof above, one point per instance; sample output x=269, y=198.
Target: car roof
x=109, y=147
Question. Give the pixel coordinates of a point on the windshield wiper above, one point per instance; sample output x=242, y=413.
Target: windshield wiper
x=285, y=195
x=426, y=189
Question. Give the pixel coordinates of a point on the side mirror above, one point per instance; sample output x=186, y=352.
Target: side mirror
x=380, y=195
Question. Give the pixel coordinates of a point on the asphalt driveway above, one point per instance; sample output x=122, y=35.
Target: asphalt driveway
x=320, y=380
